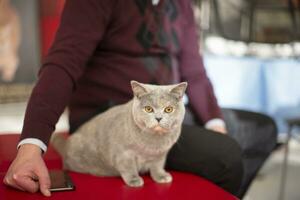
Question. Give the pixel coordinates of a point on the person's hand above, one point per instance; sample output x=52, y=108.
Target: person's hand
x=220, y=129
x=28, y=171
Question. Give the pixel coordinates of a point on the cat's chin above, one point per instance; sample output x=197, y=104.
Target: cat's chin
x=159, y=130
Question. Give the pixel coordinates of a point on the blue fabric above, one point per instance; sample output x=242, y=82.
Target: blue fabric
x=282, y=78
x=269, y=86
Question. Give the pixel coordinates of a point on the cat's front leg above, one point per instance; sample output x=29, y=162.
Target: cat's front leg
x=127, y=168
x=158, y=172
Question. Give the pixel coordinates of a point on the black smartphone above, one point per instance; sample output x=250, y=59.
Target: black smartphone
x=60, y=181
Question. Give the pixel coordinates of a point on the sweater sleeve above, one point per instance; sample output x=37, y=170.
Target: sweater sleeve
x=200, y=91
x=82, y=26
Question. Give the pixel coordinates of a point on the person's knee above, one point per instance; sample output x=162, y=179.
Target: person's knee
x=231, y=159
x=226, y=168
x=227, y=155
x=232, y=155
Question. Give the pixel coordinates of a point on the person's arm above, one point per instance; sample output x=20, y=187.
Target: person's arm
x=200, y=91
x=83, y=24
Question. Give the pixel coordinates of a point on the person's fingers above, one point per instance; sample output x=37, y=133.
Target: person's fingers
x=10, y=182
x=44, y=181
x=223, y=131
x=25, y=182
x=219, y=129
x=23, y=172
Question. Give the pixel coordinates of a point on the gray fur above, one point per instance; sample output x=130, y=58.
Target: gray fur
x=125, y=140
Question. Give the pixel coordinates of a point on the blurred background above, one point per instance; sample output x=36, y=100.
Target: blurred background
x=251, y=51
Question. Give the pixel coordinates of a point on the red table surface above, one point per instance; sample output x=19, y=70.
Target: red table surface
x=184, y=185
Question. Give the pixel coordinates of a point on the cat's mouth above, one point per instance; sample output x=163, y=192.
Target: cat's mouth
x=160, y=130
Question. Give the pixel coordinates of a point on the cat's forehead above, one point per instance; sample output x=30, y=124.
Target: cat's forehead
x=158, y=98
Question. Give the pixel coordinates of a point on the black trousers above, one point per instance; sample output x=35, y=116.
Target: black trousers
x=211, y=155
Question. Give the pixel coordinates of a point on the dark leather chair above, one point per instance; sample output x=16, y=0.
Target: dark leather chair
x=257, y=135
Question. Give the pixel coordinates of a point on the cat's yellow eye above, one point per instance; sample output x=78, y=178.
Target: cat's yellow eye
x=168, y=109
x=148, y=109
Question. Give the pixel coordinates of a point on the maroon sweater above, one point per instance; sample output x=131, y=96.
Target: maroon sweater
x=103, y=44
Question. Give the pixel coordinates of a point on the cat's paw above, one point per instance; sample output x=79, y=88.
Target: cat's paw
x=163, y=178
x=135, y=181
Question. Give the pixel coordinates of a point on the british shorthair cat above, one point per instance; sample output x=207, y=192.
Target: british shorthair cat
x=128, y=139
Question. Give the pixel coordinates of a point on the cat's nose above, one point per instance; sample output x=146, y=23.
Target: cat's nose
x=158, y=118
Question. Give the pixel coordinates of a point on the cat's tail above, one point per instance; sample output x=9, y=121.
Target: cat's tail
x=58, y=141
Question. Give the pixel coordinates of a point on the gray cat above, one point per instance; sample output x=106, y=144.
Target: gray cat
x=128, y=139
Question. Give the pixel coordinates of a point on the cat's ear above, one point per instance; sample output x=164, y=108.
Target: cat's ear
x=179, y=90
x=138, y=89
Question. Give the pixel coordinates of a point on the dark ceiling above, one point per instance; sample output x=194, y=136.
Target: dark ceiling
x=268, y=21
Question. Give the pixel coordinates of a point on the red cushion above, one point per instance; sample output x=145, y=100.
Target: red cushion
x=184, y=185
